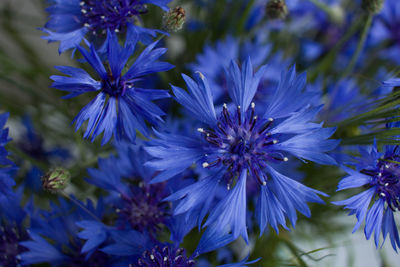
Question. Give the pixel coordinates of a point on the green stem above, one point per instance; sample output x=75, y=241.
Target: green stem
x=322, y=6
x=243, y=18
x=80, y=205
x=360, y=46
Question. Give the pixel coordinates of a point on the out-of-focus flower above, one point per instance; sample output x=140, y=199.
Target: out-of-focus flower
x=7, y=167
x=120, y=107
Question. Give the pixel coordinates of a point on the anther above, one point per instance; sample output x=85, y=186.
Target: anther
x=152, y=257
x=383, y=194
x=205, y=164
x=386, y=184
x=87, y=25
x=253, y=105
x=264, y=183
x=201, y=130
x=285, y=159
x=83, y=11
x=116, y=30
x=102, y=17
x=274, y=141
x=165, y=258
x=82, y=3
x=239, y=115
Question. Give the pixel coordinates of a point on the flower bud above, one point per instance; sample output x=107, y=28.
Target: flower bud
x=56, y=180
x=174, y=19
x=276, y=9
x=372, y=6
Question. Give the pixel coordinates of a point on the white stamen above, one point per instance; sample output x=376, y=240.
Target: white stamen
x=86, y=25
x=380, y=174
x=116, y=30
x=270, y=119
x=225, y=106
x=228, y=187
x=165, y=258
x=201, y=130
x=82, y=3
x=201, y=75
x=264, y=183
x=275, y=141
x=205, y=164
x=152, y=257
x=255, y=117
x=83, y=11
x=117, y=210
x=383, y=194
x=386, y=184
x=253, y=105
x=285, y=159
x=102, y=17
x=130, y=86
x=387, y=166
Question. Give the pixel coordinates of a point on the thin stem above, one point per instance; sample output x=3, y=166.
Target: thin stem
x=324, y=7
x=242, y=20
x=81, y=206
x=360, y=46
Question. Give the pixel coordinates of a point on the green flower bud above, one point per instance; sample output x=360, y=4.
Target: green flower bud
x=174, y=19
x=56, y=180
x=277, y=9
x=372, y=6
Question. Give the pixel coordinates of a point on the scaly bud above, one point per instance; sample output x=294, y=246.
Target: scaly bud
x=56, y=180
x=372, y=6
x=276, y=9
x=174, y=19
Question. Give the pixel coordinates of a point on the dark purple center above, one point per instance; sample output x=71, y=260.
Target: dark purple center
x=113, y=15
x=386, y=179
x=145, y=210
x=239, y=142
x=116, y=87
x=9, y=247
x=165, y=257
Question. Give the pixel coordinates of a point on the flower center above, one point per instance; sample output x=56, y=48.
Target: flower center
x=116, y=87
x=145, y=210
x=164, y=257
x=387, y=181
x=113, y=15
x=241, y=141
x=9, y=247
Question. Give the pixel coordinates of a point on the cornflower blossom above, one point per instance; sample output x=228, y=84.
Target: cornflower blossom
x=378, y=174
x=239, y=144
x=71, y=20
x=120, y=107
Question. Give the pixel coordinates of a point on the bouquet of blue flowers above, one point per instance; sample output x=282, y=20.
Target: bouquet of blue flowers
x=215, y=132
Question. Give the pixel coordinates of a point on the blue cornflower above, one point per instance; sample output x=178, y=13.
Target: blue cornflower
x=139, y=205
x=71, y=20
x=378, y=174
x=60, y=225
x=7, y=167
x=120, y=107
x=239, y=144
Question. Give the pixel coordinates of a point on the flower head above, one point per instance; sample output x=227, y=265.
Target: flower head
x=70, y=21
x=240, y=144
x=120, y=107
x=378, y=173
